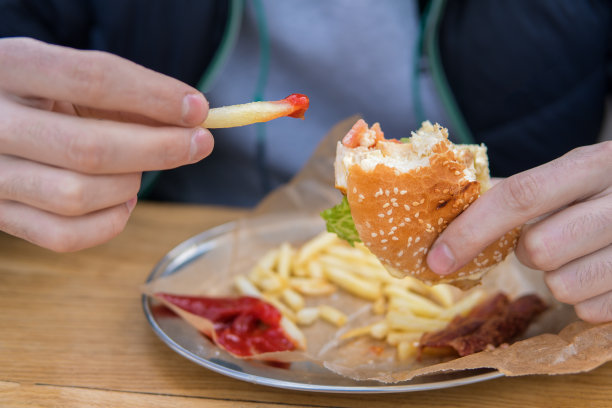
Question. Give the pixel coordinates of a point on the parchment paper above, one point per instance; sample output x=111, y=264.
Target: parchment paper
x=557, y=343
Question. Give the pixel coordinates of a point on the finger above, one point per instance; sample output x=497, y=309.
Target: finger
x=596, y=310
x=582, y=278
x=60, y=233
x=99, y=80
x=517, y=199
x=567, y=235
x=61, y=191
x=98, y=147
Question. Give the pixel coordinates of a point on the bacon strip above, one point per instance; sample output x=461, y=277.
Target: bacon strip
x=492, y=323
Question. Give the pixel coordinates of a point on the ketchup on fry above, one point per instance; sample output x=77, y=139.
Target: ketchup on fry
x=244, y=326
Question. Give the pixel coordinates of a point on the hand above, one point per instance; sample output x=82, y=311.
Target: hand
x=68, y=180
x=568, y=206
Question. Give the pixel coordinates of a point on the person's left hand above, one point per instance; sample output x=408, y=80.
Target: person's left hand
x=569, y=204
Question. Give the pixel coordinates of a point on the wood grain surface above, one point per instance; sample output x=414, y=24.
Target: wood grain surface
x=73, y=334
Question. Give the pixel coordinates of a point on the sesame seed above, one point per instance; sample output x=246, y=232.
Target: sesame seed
x=387, y=192
x=398, y=264
x=367, y=223
x=381, y=232
x=354, y=190
x=402, y=224
x=403, y=192
x=384, y=248
x=393, y=229
x=395, y=189
x=390, y=211
x=409, y=239
x=395, y=204
x=415, y=253
x=417, y=239
x=407, y=207
x=381, y=215
x=417, y=214
x=385, y=205
x=422, y=201
x=394, y=238
x=374, y=235
x=393, y=199
x=415, y=203
x=361, y=197
x=440, y=221
x=390, y=220
x=391, y=232
x=407, y=219
x=383, y=241
x=457, y=172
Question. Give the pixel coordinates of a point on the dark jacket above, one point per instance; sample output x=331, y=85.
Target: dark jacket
x=529, y=79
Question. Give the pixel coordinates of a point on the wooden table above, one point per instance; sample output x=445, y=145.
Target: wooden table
x=73, y=334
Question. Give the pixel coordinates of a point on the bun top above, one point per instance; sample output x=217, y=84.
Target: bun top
x=402, y=195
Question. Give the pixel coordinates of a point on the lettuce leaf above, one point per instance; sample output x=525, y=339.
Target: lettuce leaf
x=340, y=221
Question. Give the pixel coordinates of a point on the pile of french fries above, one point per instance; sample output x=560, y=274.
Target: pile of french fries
x=286, y=277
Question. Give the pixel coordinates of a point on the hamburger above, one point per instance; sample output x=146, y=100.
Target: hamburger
x=399, y=195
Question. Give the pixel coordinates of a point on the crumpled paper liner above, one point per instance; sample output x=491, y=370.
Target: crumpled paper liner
x=290, y=213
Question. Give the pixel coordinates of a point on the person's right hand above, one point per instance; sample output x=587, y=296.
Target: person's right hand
x=77, y=129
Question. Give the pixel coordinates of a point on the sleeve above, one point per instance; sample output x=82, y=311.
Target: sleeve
x=65, y=22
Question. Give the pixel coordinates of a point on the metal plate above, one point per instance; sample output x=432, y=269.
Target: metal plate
x=303, y=376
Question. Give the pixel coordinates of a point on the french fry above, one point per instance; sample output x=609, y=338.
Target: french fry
x=284, y=260
x=379, y=330
x=312, y=287
x=245, y=287
x=396, y=337
x=307, y=316
x=294, y=332
x=314, y=246
x=464, y=305
x=356, y=332
x=293, y=299
x=269, y=260
x=403, y=321
x=315, y=270
x=403, y=300
x=363, y=270
x=406, y=350
x=353, y=284
x=379, y=306
x=332, y=315
x=286, y=311
x=295, y=105
x=443, y=294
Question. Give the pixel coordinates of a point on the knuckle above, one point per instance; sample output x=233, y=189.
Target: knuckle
x=536, y=250
x=86, y=153
x=597, y=310
x=175, y=151
x=117, y=221
x=72, y=196
x=576, y=228
x=559, y=287
x=522, y=192
x=90, y=74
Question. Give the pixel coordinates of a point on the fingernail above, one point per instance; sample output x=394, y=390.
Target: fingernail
x=440, y=259
x=200, y=144
x=192, y=108
x=131, y=204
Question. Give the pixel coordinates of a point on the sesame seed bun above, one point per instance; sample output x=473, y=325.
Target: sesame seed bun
x=403, y=195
